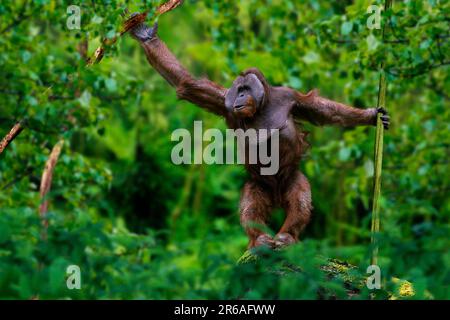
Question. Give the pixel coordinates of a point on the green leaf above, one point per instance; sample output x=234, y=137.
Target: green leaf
x=85, y=98
x=426, y=44
x=372, y=42
x=311, y=57
x=96, y=19
x=295, y=82
x=346, y=28
x=111, y=84
x=344, y=154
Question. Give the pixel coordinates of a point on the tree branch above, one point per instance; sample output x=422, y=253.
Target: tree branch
x=28, y=172
x=411, y=72
x=12, y=134
x=46, y=183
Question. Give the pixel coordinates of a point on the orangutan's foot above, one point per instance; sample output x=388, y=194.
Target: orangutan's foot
x=264, y=240
x=283, y=240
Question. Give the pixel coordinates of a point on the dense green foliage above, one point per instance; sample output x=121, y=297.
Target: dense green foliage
x=141, y=227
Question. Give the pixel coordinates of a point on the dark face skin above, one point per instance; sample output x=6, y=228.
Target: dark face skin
x=245, y=96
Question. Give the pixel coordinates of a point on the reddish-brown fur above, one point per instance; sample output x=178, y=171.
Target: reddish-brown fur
x=288, y=188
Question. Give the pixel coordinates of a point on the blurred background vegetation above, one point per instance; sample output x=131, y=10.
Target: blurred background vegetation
x=141, y=227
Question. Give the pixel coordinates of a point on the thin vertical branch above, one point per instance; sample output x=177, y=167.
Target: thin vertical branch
x=381, y=102
x=46, y=183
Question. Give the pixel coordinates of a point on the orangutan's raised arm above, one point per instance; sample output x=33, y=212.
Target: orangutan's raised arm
x=321, y=111
x=202, y=92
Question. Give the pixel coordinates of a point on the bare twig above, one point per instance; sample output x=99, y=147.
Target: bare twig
x=12, y=134
x=347, y=41
x=168, y=6
x=28, y=172
x=46, y=183
x=412, y=72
